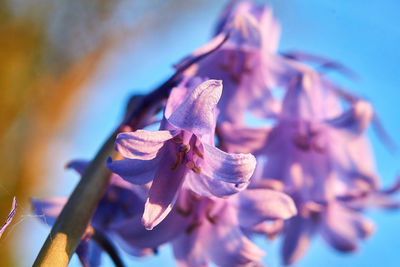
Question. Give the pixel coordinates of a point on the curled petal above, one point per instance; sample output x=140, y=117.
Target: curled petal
x=10, y=216
x=142, y=144
x=133, y=234
x=227, y=167
x=48, y=209
x=196, y=113
x=179, y=94
x=209, y=187
x=271, y=229
x=342, y=227
x=257, y=205
x=163, y=193
x=243, y=140
x=189, y=248
x=230, y=247
x=296, y=239
x=355, y=120
x=135, y=171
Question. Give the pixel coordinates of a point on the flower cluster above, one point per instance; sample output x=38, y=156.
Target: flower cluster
x=194, y=183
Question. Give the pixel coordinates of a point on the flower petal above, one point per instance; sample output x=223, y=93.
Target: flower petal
x=257, y=205
x=196, y=113
x=296, y=239
x=135, y=171
x=227, y=167
x=342, y=227
x=209, y=187
x=48, y=209
x=134, y=235
x=142, y=144
x=163, y=192
x=229, y=246
x=189, y=248
x=10, y=216
x=243, y=140
x=355, y=120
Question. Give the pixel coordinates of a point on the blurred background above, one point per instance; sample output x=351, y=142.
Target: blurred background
x=67, y=69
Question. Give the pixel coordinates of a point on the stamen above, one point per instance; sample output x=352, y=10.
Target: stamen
x=198, y=152
x=235, y=77
x=211, y=219
x=177, y=140
x=192, y=227
x=191, y=165
x=196, y=170
x=179, y=159
x=302, y=142
x=183, y=212
x=184, y=148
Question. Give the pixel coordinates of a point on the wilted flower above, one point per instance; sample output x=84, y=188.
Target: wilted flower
x=9, y=217
x=182, y=151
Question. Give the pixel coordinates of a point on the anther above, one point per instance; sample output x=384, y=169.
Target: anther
x=196, y=170
x=190, y=164
x=183, y=212
x=211, y=219
x=198, y=152
x=179, y=159
x=177, y=140
x=192, y=227
x=184, y=148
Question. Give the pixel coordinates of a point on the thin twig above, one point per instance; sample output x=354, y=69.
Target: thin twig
x=104, y=242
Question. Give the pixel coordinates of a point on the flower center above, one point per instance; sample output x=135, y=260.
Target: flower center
x=188, y=151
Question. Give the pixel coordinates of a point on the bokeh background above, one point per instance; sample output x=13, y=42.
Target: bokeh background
x=67, y=69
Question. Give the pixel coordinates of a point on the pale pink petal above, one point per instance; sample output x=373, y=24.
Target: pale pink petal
x=163, y=192
x=196, y=113
x=135, y=171
x=227, y=167
x=142, y=144
x=257, y=205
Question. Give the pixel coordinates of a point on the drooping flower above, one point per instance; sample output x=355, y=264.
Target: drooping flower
x=212, y=229
x=318, y=155
x=247, y=63
x=182, y=151
x=9, y=217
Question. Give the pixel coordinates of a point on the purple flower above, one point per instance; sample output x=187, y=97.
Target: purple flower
x=9, y=217
x=340, y=226
x=247, y=63
x=318, y=154
x=204, y=229
x=181, y=152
